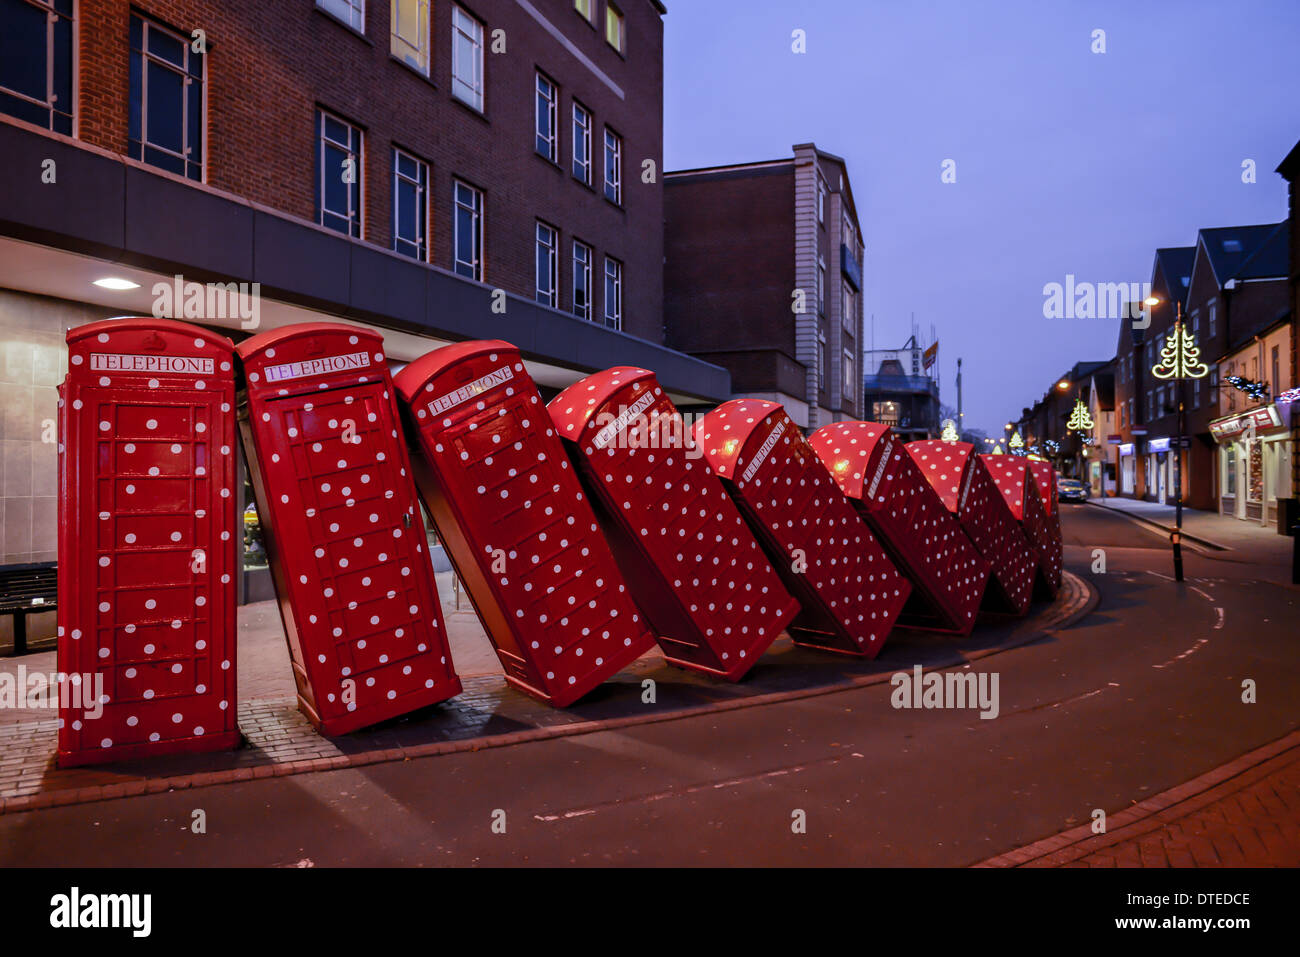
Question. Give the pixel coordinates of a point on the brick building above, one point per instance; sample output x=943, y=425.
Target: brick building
x=437, y=170
x=763, y=276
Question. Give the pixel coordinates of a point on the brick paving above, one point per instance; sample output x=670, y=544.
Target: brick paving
x=278, y=739
x=1244, y=814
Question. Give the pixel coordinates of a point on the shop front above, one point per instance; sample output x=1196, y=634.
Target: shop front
x=1254, y=463
x=1160, y=471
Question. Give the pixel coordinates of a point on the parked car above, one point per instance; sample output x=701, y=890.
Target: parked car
x=1071, y=490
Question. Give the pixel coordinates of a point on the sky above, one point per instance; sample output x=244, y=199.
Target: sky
x=1066, y=161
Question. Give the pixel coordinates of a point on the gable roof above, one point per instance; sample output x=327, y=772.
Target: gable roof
x=1228, y=247
x=1271, y=259
x=1175, y=264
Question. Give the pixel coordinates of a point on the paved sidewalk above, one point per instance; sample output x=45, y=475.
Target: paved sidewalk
x=1248, y=540
x=279, y=740
x=1244, y=814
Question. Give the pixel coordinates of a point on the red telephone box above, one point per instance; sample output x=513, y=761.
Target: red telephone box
x=1015, y=481
x=515, y=522
x=849, y=590
x=963, y=482
x=692, y=564
x=874, y=470
x=344, y=537
x=147, y=538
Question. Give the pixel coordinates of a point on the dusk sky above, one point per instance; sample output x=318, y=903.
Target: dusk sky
x=1067, y=161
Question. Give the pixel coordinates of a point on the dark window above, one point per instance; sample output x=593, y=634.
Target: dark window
x=581, y=144
x=468, y=225
x=410, y=205
x=547, y=100
x=582, y=260
x=613, y=166
x=36, y=62
x=338, y=188
x=166, y=113
x=548, y=259
x=613, y=293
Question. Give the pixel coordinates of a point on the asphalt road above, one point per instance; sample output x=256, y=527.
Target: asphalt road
x=1142, y=695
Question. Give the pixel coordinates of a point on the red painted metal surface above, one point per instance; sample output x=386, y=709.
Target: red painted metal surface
x=1015, y=481
x=849, y=590
x=516, y=523
x=1045, y=482
x=147, y=537
x=345, y=539
x=874, y=471
x=692, y=564
x=969, y=493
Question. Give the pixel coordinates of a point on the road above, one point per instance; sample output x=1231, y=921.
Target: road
x=1143, y=694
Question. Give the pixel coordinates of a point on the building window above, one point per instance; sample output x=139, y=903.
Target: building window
x=613, y=167
x=1275, y=382
x=1230, y=471
x=821, y=200
x=1196, y=393
x=166, y=110
x=821, y=287
x=848, y=308
x=615, y=28
x=581, y=144
x=547, y=138
x=410, y=205
x=1196, y=323
x=1213, y=310
x=582, y=260
x=351, y=12
x=584, y=8
x=411, y=42
x=846, y=385
x=548, y=265
x=338, y=186
x=885, y=413
x=467, y=225
x=466, y=58
x=1130, y=411
x=36, y=62
x=613, y=293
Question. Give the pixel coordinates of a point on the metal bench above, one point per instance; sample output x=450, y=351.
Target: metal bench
x=25, y=589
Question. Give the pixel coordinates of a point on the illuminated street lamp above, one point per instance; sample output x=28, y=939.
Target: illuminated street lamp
x=1180, y=360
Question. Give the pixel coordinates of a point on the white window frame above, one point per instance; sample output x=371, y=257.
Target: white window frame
x=547, y=239
x=614, y=308
x=552, y=107
x=355, y=215
x=846, y=387
x=582, y=142
x=422, y=198
x=351, y=12
x=469, y=91
x=188, y=151
x=477, y=209
x=616, y=169
x=582, y=270
x=417, y=55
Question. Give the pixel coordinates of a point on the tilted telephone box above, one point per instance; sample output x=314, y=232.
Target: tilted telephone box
x=691, y=562
x=516, y=523
x=344, y=536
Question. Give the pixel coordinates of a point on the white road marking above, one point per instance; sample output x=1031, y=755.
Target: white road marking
x=1192, y=650
x=1218, y=624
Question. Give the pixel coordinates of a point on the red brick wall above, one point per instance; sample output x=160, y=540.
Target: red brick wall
x=729, y=275
x=270, y=64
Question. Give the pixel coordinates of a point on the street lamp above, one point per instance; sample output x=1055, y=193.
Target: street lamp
x=1180, y=360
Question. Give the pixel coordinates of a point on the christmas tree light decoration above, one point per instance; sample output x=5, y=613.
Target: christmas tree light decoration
x=1080, y=420
x=1181, y=357
x=1017, y=444
x=997, y=449
x=950, y=431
